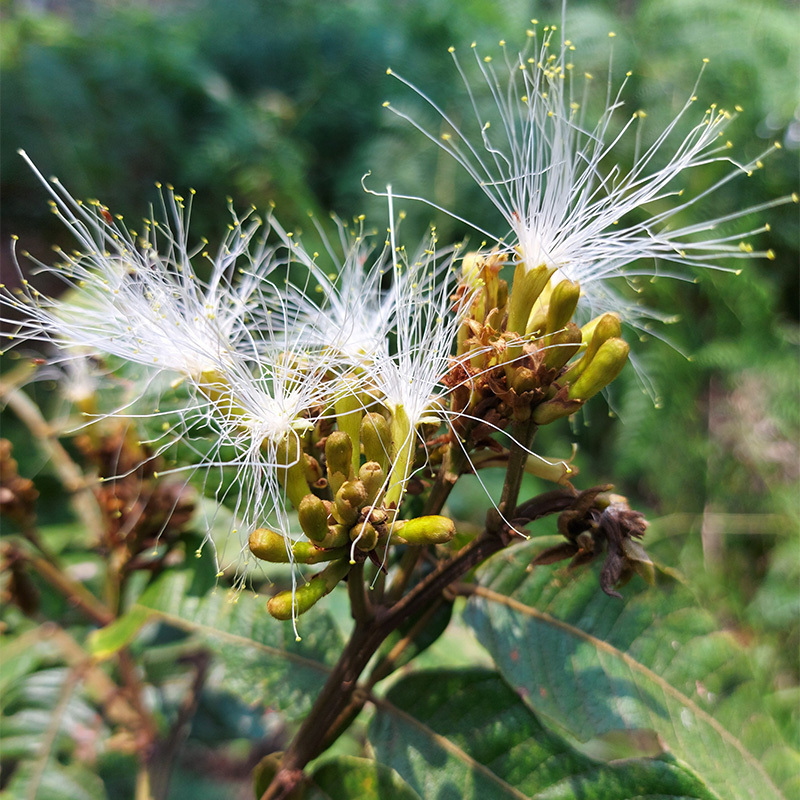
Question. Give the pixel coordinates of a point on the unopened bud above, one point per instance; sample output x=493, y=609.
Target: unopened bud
x=560, y=472
x=292, y=475
x=288, y=604
x=562, y=345
x=373, y=477
x=270, y=546
x=562, y=305
x=313, y=470
x=424, y=530
x=602, y=369
x=556, y=408
x=527, y=286
x=364, y=535
x=595, y=333
x=339, y=458
x=313, y=517
x=376, y=438
x=348, y=502
x=523, y=380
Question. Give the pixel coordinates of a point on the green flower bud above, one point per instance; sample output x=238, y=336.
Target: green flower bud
x=313, y=516
x=560, y=472
x=283, y=604
x=348, y=502
x=339, y=458
x=527, y=286
x=559, y=406
x=523, y=380
x=373, y=477
x=562, y=305
x=313, y=470
x=270, y=546
x=562, y=345
x=337, y=536
x=424, y=530
x=364, y=535
x=292, y=476
x=602, y=369
x=349, y=410
x=595, y=333
x=376, y=438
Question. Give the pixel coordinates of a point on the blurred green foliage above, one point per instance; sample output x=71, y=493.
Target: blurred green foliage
x=281, y=102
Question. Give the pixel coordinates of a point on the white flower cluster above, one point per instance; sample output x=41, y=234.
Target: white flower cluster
x=275, y=340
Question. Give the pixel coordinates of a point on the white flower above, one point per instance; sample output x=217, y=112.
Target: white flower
x=554, y=178
x=137, y=296
x=348, y=309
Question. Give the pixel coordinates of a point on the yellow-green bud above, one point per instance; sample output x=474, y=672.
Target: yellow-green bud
x=364, y=535
x=373, y=477
x=560, y=472
x=313, y=470
x=348, y=502
x=554, y=409
x=339, y=458
x=424, y=530
x=282, y=604
x=270, y=546
x=562, y=305
x=528, y=285
x=337, y=536
x=595, y=333
x=292, y=476
x=523, y=380
x=313, y=516
x=562, y=345
x=376, y=438
x=602, y=369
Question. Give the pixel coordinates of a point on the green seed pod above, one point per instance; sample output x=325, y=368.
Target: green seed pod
x=562, y=345
x=270, y=546
x=348, y=502
x=283, y=604
x=376, y=439
x=372, y=476
x=562, y=305
x=602, y=369
x=364, y=535
x=313, y=516
x=339, y=458
x=424, y=530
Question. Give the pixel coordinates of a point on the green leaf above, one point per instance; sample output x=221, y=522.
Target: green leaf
x=348, y=776
x=593, y=665
x=464, y=734
x=264, y=663
x=56, y=782
x=105, y=642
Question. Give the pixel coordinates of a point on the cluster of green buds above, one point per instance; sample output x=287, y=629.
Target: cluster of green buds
x=347, y=506
x=524, y=346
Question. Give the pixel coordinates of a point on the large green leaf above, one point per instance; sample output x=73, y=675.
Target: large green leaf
x=264, y=663
x=595, y=665
x=348, y=776
x=465, y=735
